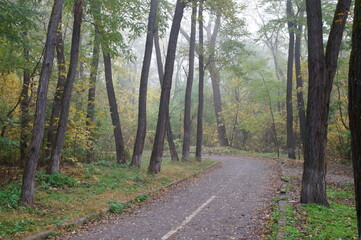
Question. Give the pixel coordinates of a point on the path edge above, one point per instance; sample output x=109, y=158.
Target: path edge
x=96, y=215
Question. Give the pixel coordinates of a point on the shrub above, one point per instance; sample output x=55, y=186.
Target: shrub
x=57, y=180
x=117, y=207
x=9, y=196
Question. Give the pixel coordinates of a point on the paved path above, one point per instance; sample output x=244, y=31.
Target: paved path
x=222, y=204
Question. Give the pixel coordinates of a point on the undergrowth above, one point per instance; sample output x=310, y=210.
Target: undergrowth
x=77, y=192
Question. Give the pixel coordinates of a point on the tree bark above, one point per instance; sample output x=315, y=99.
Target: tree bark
x=299, y=84
x=355, y=107
x=156, y=157
x=170, y=138
x=215, y=78
x=291, y=46
x=200, y=86
x=55, y=112
x=142, y=105
x=188, y=93
x=54, y=165
x=118, y=136
x=322, y=68
x=24, y=106
x=95, y=6
x=27, y=190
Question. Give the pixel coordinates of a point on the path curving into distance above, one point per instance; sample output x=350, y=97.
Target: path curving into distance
x=222, y=204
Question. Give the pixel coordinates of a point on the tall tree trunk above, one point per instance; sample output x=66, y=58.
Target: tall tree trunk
x=142, y=105
x=118, y=136
x=24, y=106
x=157, y=152
x=355, y=107
x=299, y=83
x=93, y=79
x=188, y=94
x=55, y=112
x=27, y=190
x=215, y=78
x=57, y=147
x=322, y=69
x=273, y=118
x=200, y=86
x=170, y=138
x=291, y=46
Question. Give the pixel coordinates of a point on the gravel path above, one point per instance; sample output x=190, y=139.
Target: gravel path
x=223, y=204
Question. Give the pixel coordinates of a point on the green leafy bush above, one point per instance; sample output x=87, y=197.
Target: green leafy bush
x=11, y=228
x=111, y=164
x=57, y=180
x=9, y=196
x=141, y=198
x=117, y=207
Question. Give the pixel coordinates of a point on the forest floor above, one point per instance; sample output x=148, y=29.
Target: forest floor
x=83, y=189
x=230, y=202
x=310, y=221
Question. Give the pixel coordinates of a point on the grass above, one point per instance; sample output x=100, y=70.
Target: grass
x=311, y=221
x=83, y=190
x=234, y=151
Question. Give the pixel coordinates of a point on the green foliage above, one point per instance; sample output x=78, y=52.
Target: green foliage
x=117, y=207
x=336, y=222
x=15, y=18
x=9, y=196
x=110, y=164
x=10, y=228
x=57, y=180
x=141, y=198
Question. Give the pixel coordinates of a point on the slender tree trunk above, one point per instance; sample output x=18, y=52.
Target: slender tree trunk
x=200, y=86
x=291, y=47
x=215, y=78
x=273, y=118
x=57, y=147
x=142, y=105
x=322, y=69
x=299, y=82
x=27, y=190
x=188, y=94
x=92, y=81
x=170, y=138
x=118, y=136
x=355, y=107
x=55, y=113
x=157, y=152
x=24, y=106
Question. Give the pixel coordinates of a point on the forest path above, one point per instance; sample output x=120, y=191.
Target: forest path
x=226, y=203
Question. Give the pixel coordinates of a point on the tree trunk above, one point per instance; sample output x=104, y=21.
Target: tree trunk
x=188, y=93
x=200, y=86
x=355, y=107
x=95, y=6
x=142, y=105
x=273, y=118
x=322, y=68
x=118, y=136
x=24, y=106
x=57, y=147
x=27, y=190
x=170, y=138
x=55, y=113
x=290, y=136
x=156, y=157
x=215, y=78
x=299, y=83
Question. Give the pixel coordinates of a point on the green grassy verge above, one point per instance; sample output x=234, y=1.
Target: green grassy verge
x=311, y=221
x=82, y=190
x=234, y=151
